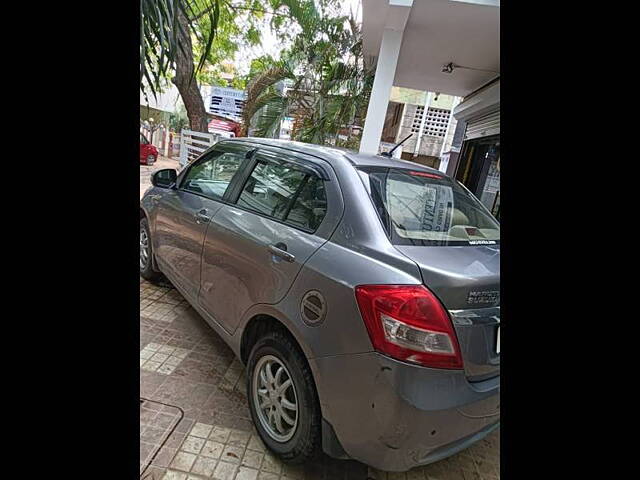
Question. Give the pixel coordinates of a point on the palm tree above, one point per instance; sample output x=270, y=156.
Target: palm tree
x=264, y=99
x=331, y=85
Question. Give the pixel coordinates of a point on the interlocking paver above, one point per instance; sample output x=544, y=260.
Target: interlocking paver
x=185, y=364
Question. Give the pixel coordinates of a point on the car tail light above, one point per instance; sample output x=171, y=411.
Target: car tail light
x=408, y=322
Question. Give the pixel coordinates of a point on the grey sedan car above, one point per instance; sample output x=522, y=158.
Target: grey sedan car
x=360, y=291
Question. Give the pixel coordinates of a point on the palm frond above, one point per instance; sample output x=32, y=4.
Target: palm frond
x=269, y=117
x=258, y=86
x=162, y=36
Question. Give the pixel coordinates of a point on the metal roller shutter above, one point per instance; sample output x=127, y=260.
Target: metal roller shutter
x=483, y=126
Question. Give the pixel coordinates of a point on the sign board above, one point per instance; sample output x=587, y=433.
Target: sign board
x=227, y=102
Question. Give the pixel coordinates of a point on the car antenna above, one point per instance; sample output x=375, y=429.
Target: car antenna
x=390, y=152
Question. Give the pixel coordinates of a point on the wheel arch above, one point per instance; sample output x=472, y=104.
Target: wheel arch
x=260, y=322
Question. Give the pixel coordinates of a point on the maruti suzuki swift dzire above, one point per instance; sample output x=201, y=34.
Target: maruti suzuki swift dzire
x=361, y=293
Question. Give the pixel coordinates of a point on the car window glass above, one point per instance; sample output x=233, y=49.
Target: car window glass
x=212, y=176
x=270, y=188
x=143, y=140
x=310, y=206
x=421, y=208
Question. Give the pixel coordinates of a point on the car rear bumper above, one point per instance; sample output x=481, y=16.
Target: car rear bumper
x=395, y=416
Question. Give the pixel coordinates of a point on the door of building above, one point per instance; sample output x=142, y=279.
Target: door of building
x=479, y=170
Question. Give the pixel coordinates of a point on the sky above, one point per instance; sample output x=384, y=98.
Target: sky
x=271, y=46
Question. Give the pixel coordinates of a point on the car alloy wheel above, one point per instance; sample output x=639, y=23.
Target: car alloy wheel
x=275, y=399
x=150, y=159
x=144, y=248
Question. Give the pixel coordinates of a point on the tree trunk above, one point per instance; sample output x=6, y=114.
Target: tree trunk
x=185, y=80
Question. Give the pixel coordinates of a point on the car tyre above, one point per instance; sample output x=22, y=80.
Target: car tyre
x=146, y=254
x=151, y=160
x=305, y=442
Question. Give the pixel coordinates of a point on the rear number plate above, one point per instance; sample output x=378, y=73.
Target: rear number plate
x=498, y=341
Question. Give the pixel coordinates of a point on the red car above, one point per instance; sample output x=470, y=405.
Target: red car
x=148, y=152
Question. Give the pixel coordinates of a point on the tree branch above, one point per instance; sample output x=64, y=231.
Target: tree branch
x=238, y=7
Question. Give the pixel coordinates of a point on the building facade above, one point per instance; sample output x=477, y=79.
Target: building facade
x=426, y=118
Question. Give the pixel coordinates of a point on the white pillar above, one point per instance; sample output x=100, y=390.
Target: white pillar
x=381, y=90
x=448, y=136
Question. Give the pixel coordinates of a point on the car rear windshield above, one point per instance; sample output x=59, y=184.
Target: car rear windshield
x=421, y=208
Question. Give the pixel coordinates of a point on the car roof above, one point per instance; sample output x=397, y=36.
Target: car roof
x=337, y=154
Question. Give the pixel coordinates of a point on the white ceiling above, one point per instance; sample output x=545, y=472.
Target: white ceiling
x=439, y=32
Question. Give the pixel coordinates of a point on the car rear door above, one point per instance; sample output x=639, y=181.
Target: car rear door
x=183, y=213
x=284, y=209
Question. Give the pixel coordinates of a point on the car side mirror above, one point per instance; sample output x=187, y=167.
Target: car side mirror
x=165, y=178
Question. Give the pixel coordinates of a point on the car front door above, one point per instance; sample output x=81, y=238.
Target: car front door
x=282, y=211
x=183, y=214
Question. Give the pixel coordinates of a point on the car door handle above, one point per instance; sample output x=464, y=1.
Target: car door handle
x=202, y=217
x=279, y=250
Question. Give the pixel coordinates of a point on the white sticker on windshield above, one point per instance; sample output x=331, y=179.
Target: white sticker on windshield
x=438, y=206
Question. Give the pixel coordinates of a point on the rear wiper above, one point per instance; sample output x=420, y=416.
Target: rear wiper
x=390, y=152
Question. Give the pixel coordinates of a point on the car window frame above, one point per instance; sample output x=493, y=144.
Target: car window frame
x=217, y=150
x=279, y=158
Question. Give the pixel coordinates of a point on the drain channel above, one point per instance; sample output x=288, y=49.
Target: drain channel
x=154, y=413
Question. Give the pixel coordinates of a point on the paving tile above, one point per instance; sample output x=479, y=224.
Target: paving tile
x=245, y=473
x=212, y=449
x=225, y=471
x=166, y=369
x=204, y=466
x=183, y=461
x=183, y=362
x=252, y=459
x=153, y=435
x=175, y=440
x=220, y=434
x=232, y=454
x=159, y=357
x=192, y=444
x=268, y=476
x=271, y=464
x=174, y=475
x=256, y=444
x=185, y=425
x=150, y=365
x=239, y=438
x=201, y=430
x=153, y=473
x=164, y=457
